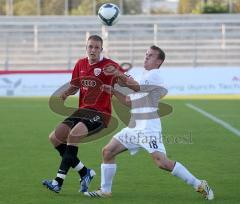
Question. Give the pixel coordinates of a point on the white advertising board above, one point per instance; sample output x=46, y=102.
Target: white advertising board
x=191, y=81
x=178, y=81
x=39, y=84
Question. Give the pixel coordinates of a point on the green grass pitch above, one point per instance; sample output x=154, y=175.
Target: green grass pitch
x=207, y=149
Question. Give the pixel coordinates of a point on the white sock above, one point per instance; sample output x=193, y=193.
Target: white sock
x=79, y=166
x=107, y=173
x=62, y=176
x=181, y=172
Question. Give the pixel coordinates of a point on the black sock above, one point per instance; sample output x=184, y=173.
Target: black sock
x=68, y=160
x=61, y=149
x=59, y=180
x=75, y=162
x=83, y=171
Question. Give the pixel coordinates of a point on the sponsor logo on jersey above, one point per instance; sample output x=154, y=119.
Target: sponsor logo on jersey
x=97, y=71
x=88, y=83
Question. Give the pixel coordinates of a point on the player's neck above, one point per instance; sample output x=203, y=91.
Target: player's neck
x=91, y=62
x=94, y=61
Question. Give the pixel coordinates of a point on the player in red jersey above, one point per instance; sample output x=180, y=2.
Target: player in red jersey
x=93, y=115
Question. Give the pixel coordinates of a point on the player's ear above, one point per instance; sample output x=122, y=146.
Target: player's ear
x=101, y=49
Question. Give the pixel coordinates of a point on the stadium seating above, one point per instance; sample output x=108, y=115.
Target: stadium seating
x=56, y=42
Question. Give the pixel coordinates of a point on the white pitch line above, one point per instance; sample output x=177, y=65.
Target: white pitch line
x=215, y=119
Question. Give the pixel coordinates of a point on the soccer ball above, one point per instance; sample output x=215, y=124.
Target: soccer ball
x=108, y=14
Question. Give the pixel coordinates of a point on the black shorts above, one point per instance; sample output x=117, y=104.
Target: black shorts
x=91, y=118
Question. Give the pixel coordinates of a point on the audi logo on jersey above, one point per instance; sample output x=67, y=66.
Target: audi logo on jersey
x=88, y=83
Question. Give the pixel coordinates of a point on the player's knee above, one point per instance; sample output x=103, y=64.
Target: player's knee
x=56, y=139
x=52, y=137
x=107, y=154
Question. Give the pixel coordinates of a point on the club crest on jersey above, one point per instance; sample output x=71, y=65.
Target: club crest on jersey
x=97, y=71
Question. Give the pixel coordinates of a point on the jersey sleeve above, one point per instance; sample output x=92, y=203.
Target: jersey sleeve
x=75, y=76
x=116, y=65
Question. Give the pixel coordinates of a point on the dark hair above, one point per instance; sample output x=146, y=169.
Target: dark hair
x=161, y=53
x=96, y=38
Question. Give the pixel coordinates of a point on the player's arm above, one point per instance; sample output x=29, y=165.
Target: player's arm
x=122, y=79
x=120, y=96
x=127, y=81
x=70, y=90
x=73, y=87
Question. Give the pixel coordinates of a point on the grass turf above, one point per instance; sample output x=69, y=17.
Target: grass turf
x=211, y=152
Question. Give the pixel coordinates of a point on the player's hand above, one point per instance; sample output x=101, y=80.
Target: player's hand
x=110, y=70
x=122, y=81
x=106, y=88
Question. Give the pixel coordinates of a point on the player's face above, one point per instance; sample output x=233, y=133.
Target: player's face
x=151, y=60
x=94, y=49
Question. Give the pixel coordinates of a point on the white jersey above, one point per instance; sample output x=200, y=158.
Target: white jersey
x=145, y=102
x=144, y=129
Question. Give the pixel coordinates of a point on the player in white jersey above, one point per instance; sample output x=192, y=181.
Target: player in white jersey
x=144, y=129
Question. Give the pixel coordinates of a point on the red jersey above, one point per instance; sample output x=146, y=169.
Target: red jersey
x=89, y=79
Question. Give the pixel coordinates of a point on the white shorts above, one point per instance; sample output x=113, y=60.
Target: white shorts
x=134, y=139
